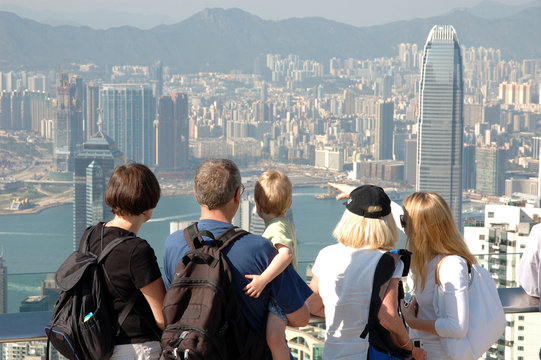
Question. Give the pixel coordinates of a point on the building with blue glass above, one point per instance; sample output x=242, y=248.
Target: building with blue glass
x=440, y=122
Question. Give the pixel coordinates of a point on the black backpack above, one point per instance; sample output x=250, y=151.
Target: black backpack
x=202, y=315
x=379, y=337
x=84, y=324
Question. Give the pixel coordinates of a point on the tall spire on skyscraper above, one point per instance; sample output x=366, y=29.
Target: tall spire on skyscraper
x=440, y=122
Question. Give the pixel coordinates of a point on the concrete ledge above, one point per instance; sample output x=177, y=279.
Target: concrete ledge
x=30, y=325
x=24, y=326
x=515, y=300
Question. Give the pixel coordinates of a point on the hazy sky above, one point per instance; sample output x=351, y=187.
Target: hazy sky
x=354, y=12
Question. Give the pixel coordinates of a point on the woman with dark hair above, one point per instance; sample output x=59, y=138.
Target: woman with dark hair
x=132, y=194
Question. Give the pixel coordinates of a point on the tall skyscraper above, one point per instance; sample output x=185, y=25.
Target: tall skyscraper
x=91, y=109
x=440, y=122
x=128, y=117
x=383, y=142
x=93, y=168
x=172, y=146
x=156, y=79
x=68, y=121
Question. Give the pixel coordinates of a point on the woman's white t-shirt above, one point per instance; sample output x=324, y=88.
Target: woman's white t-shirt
x=345, y=277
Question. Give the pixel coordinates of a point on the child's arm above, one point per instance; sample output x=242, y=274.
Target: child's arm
x=277, y=265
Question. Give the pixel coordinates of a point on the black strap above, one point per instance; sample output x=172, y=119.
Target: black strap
x=85, y=242
x=379, y=336
x=375, y=301
x=230, y=235
x=194, y=237
x=194, y=240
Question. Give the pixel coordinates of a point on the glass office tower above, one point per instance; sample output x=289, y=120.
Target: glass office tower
x=440, y=122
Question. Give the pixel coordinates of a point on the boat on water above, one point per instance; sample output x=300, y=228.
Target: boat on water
x=329, y=195
x=325, y=196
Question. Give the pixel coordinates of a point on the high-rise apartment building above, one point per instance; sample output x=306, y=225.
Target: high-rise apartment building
x=440, y=122
x=172, y=148
x=490, y=170
x=128, y=117
x=92, y=105
x=93, y=168
x=383, y=142
x=497, y=242
x=468, y=167
x=410, y=160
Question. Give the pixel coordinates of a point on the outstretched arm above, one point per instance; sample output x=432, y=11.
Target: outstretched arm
x=344, y=190
x=277, y=265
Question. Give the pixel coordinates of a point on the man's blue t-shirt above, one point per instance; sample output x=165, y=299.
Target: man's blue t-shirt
x=250, y=254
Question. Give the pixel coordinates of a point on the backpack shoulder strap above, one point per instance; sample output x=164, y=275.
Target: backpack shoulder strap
x=85, y=244
x=194, y=237
x=229, y=236
x=382, y=278
x=107, y=250
x=405, y=256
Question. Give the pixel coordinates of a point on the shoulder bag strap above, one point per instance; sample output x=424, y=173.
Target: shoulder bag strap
x=437, y=271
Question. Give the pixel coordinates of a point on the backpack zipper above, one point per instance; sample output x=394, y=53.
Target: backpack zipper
x=200, y=282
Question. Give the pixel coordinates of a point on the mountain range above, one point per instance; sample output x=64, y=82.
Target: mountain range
x=225, y=39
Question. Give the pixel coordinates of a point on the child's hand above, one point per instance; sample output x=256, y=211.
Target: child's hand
x=255, y=287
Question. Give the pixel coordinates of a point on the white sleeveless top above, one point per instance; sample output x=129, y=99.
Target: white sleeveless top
x=345, y=284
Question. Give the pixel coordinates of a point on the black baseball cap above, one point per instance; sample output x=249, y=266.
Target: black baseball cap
x=369, y=195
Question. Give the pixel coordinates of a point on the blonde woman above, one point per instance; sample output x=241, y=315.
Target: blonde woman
x=435, y=242
x=344, y=273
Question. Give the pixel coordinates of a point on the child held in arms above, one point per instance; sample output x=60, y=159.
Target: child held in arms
x=273, y=196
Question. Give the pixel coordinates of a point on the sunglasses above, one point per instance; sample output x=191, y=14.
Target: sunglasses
x=241, y=187
x=403, y=221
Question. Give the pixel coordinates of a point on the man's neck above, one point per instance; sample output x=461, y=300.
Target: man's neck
x=216, y=214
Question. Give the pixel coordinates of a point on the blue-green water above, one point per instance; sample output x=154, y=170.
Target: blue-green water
x=38, y=243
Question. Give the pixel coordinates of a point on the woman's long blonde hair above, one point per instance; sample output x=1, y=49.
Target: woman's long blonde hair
x=431, y=231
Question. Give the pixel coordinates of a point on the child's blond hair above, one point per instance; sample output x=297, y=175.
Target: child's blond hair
x=273, y=192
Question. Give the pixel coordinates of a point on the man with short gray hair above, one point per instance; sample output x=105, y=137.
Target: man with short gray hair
x=218, y=189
